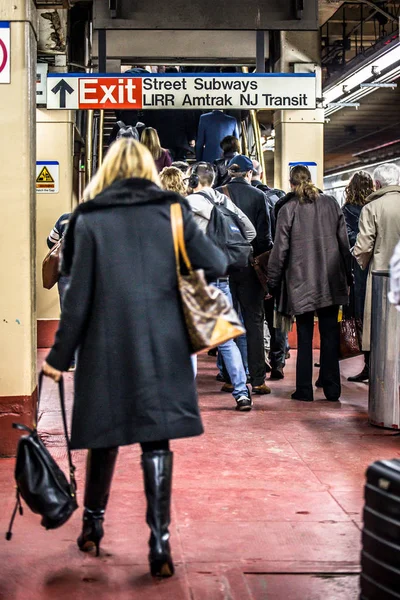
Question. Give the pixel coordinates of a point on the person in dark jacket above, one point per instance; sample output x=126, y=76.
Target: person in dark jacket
x=247, y=292
x=359, y=188
x=272, y=195
x=312, y=254
x=134, y=380
x=54, y=237
x=230, y=147
x=279, y=341
x=176, y=129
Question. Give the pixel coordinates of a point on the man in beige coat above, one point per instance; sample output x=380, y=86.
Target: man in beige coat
x=379, y=233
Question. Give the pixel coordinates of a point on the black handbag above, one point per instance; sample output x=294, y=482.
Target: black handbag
x=39, y=479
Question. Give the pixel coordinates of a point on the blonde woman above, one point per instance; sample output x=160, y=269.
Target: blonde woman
x=134, y=379
x=150, y=139
x=172, y=180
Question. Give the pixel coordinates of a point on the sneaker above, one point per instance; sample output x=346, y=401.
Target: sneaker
x=277, y=373
x=261, y=389
x=243, y=403
x=227, y=387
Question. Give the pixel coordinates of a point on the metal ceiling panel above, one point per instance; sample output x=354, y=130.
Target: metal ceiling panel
x=206, y=14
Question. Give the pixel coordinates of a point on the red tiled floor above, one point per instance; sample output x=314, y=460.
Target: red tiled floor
x=266, y=506
x=309, y=587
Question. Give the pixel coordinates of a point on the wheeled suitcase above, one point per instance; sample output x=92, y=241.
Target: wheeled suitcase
x=380, y=558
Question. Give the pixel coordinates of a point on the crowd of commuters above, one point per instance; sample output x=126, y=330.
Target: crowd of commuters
x=135, y=380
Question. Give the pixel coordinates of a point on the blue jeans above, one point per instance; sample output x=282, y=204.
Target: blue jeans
x=231, y=354
x=194, y=364
x=241, y=343
x=62, y=285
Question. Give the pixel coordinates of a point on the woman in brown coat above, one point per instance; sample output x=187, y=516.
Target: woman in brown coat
x=312, y=255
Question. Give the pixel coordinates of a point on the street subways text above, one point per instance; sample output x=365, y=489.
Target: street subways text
x=205, y=92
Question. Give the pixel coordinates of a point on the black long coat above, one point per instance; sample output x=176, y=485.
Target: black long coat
x=312, y=254
x=134, y=380
x=352, y=214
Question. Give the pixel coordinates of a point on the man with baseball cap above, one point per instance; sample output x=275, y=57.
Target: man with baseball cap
x=246, y=289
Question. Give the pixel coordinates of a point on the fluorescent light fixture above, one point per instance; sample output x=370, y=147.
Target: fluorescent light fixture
x=344, y=104
x=351, y=88
x=378, y=85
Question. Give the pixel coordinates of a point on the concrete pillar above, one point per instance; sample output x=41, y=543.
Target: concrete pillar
x=17, y=227
x=55, y=135
x=299, y=134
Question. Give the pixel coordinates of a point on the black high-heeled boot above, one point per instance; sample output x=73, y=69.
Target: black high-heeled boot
x=99, y=473
x=92, y=530
x=157, y=472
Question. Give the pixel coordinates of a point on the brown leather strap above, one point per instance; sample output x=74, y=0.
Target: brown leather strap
x=225, y=190
x=178, y=237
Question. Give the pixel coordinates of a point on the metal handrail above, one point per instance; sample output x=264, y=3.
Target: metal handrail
x=257, y=136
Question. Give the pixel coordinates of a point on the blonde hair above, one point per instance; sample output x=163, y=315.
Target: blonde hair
x=126, y=158
x=151, y=140
x=305, y=190
x=172, y=180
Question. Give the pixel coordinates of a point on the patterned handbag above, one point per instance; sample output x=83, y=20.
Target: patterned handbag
x=350, y=338
x=209, y=317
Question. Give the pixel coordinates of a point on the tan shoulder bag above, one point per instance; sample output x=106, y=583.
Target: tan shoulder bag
x=209, y=317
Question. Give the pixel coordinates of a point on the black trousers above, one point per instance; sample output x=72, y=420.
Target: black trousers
x=329, y=356
x=277, y=352
x=247, y=293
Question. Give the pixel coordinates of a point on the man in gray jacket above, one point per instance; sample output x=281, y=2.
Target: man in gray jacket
x=201, y=201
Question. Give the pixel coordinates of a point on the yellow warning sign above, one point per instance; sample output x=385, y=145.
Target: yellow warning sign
x=47, y=176
x=44, y=176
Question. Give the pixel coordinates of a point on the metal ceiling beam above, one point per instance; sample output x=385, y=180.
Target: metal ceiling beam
x=377, y=8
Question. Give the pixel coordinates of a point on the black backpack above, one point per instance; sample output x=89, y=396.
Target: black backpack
x=39, y=479
x=227, y=232
x=272, y=194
